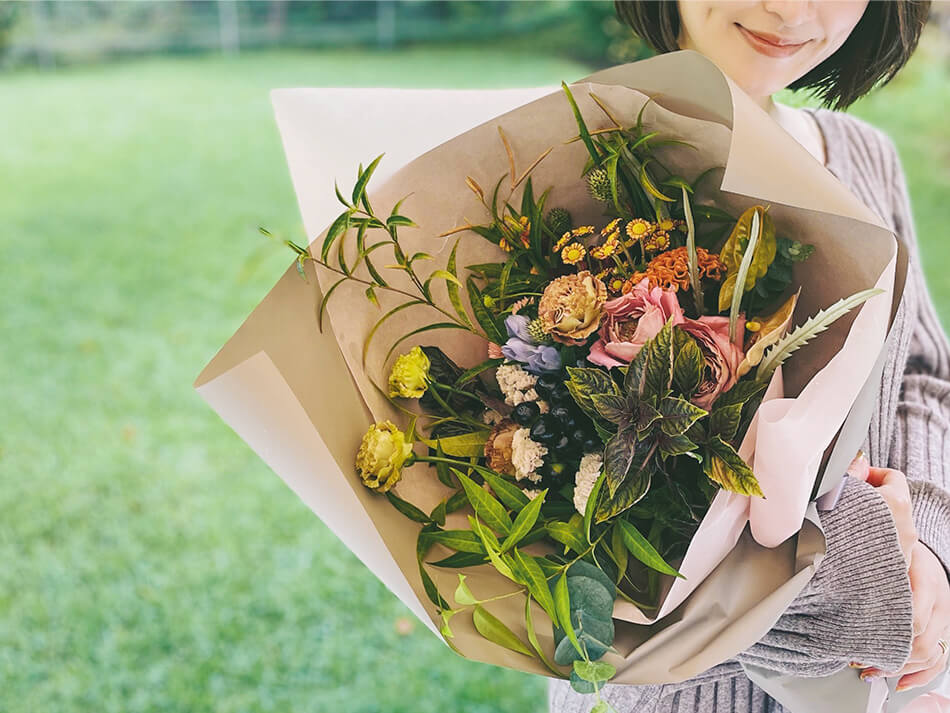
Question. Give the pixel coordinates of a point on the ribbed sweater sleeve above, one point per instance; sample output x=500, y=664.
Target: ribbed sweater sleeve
x=921, y=447
x=857, y=607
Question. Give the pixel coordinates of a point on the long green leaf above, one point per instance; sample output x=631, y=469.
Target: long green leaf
x=567, y=535
x=458, y=540
x=379, y=323
x=323, y=303
x=453, y=287
x=582, y=126
x=533, y=639
x=562, y=605
x=337, y=228
x=592, y=504
x=463, y=445
x=363, y=179
x=691, y=254
x=493, y=629
x=739, y=289
x=485, y=505
x=511, y=495
x=407, y=508
x=524, y=521
x=420, y=330
x=640, y=547
x=483, y=315
x=536, y=582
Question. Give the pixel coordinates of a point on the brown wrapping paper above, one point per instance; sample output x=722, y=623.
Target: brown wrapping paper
x=303, y=399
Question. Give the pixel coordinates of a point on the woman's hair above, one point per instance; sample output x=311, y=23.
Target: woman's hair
x=878, y=46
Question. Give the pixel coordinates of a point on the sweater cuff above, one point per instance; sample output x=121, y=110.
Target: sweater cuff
x=932, y=518
x=864, y=579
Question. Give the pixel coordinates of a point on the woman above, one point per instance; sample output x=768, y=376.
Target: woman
x=881, y=598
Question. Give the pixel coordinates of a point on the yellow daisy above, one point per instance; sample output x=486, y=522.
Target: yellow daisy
x=666, y=224
x=639, y=228
x=610, y=227
x=660, y=240
x=565, y=239
x=573, y=254
x=604, y=251
x=615, y=283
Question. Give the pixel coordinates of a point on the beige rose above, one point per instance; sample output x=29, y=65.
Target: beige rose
x=572, y=306
x=498, y=447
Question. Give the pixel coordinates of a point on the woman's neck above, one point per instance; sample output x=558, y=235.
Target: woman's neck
x=800, y=124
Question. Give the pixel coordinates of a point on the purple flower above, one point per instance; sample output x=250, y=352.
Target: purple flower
x=520, y=347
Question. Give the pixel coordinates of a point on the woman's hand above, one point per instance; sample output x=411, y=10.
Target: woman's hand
x=931, y=591
x=930, y=587
x=892, y=486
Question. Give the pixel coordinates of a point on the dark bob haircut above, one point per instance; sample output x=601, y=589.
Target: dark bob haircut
x=877, y=48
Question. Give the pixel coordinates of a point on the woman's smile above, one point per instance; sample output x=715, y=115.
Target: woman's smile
x=770, y=45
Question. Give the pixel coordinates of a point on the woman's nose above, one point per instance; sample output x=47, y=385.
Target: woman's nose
x=792, y=12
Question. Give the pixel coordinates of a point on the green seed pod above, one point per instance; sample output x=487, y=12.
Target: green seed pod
x=559, y=221
x=599, y=184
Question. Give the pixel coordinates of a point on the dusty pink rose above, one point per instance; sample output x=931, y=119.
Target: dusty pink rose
x=631, y=320
x=720, y=356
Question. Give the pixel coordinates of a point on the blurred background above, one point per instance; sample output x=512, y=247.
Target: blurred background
x=150, y=560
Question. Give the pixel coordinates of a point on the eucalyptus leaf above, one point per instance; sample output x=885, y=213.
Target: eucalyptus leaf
x=594, y=671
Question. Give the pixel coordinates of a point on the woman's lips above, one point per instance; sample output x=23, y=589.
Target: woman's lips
x=770, y=45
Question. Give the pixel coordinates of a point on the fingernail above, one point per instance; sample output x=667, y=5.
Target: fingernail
x=855, y=664
x=860, y=455
x=869, y=674
x=901, y=687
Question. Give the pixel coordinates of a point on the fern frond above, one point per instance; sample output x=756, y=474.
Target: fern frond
x=800, y=336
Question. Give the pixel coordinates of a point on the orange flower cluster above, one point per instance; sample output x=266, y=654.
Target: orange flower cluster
x=670, y=270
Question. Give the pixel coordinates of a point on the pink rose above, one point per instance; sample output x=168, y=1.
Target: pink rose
x=720, y=356
x=631, y=320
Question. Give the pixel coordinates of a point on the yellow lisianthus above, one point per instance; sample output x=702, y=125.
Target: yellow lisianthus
x=381, y=456
x=409, y=377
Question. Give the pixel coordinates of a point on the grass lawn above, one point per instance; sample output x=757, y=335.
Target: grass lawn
x=150, y=560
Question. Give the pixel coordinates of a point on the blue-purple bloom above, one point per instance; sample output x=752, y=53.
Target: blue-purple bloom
x=520, y=347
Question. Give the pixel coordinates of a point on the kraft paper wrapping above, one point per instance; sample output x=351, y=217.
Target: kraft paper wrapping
x=302, y=399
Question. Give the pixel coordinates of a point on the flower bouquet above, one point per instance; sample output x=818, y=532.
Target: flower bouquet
x=555, y=392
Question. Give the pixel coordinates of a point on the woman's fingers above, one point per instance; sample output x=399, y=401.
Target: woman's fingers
x=859, y=467
x=891, y=484
x=923, y=585
x=929, y=650
x=925, y=676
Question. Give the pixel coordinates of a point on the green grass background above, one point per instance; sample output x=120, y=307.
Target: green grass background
x=150, y=560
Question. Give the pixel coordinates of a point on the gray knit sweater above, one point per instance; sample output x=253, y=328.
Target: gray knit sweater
x=857, y=607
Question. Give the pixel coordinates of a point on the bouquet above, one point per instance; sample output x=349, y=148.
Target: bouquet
x=580, y=399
